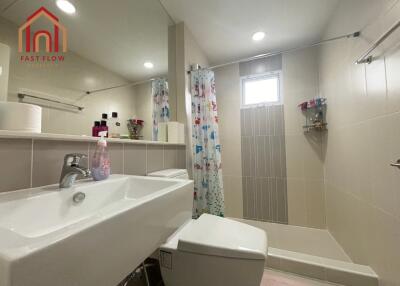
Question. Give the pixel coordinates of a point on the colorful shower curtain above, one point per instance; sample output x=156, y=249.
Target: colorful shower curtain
x=207, y=172
x=159, y=90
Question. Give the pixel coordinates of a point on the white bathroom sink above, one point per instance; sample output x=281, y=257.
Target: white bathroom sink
x=47, y=239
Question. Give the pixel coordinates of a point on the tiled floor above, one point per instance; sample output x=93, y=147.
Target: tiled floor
x=275, y=278
x=270, y=278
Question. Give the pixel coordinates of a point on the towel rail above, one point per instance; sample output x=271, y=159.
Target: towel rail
x=23, y=95
x=366, y=58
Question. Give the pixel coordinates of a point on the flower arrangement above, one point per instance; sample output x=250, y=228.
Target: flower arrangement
x=135, y=126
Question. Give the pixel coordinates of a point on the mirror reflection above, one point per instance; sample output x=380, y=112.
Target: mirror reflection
x=89, y=69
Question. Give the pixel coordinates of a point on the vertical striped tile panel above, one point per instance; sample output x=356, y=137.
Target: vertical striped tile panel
x=264, y=164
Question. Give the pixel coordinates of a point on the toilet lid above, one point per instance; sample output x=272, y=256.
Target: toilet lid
x=168, y=173
x=212, y=235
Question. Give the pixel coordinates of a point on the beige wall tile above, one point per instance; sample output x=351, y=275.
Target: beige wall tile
x=304, y=155
x=297, y=206
x=233, y=196
x=48, y=159
x=181, y=157
x=384, y=247
x=294, y=156
x=303, y=269
x=312, y=156
x=135, y=159
x=392, y=64
x=76, y=75
x=230, y=163
x=362, y=198
x=376, y=96
x=116, y=153
x=155, y=158
x=348, y=221
x=228, y=98
x=315, y=202
x=304, y=152
x=346, y=278
x=273, y=262
x=300, y=71
x=170, y=157
x=143, y=102
x=15, y=170
x=385, y=150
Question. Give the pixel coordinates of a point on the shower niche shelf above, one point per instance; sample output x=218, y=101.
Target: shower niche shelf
x=314, y=112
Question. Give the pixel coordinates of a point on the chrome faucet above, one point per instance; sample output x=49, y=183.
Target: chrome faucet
x=71, y=170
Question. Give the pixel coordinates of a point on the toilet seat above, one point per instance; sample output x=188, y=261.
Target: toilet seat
x=212, y=235
x=171, y=173
x=214, y=251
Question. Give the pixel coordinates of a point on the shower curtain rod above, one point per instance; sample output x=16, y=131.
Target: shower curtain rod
x=261, y=56
x=267, y=55
x=122, y=85
x=366, y=58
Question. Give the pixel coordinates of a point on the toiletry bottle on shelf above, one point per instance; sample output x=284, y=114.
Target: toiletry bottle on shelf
x=100, y=160
x=104, y=127
x=114, y=126
x=96, y=129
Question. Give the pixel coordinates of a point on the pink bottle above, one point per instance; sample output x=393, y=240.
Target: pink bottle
x=101, y=160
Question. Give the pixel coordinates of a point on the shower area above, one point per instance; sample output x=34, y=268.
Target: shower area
x=275, y=180
x=307, y=164
x=276, y=175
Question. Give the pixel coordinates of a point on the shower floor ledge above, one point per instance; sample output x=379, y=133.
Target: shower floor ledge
x=325, y=269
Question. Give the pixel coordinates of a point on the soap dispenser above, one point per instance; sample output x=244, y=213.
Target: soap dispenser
x=101, y=161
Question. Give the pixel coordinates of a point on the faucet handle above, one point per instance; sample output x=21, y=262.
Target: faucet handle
x=73, y=159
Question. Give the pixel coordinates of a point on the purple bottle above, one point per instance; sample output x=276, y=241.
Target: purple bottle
x=96, y=129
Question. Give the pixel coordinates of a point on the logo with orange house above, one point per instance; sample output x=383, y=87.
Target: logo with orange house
x=55, y=39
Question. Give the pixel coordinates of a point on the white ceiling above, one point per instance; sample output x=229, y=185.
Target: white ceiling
x=121, y=35
x=223, y=28
x=118, y=35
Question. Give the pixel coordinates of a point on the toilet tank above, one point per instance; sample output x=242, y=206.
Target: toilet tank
x=171, y=173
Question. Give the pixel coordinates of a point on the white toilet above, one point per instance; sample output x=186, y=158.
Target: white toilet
x=213, y=251
x=171, y=173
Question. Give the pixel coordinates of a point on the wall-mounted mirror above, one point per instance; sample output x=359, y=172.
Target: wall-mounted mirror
x=75, y=55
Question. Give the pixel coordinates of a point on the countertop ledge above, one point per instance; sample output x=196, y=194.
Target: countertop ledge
x=4, y=134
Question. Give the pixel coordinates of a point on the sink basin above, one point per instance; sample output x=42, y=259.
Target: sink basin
x=47, y=239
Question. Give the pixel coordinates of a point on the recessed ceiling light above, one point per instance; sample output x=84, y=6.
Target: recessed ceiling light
x=148, y=65
x=66, y=6
x=258, y=36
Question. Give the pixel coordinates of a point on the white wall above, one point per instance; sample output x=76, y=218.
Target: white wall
x=227, y=86
x=304, y=156
x=193, y=55
x=68, y=80
x=144, y=108
x=4, y=70
x=187, y=52
x=362, y=189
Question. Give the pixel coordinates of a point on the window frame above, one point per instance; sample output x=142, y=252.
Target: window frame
x=274, y=74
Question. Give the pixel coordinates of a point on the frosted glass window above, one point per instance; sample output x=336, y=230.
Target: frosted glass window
x=261, y=90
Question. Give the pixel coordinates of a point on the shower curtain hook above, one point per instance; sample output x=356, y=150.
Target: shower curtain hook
x=195, y=67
